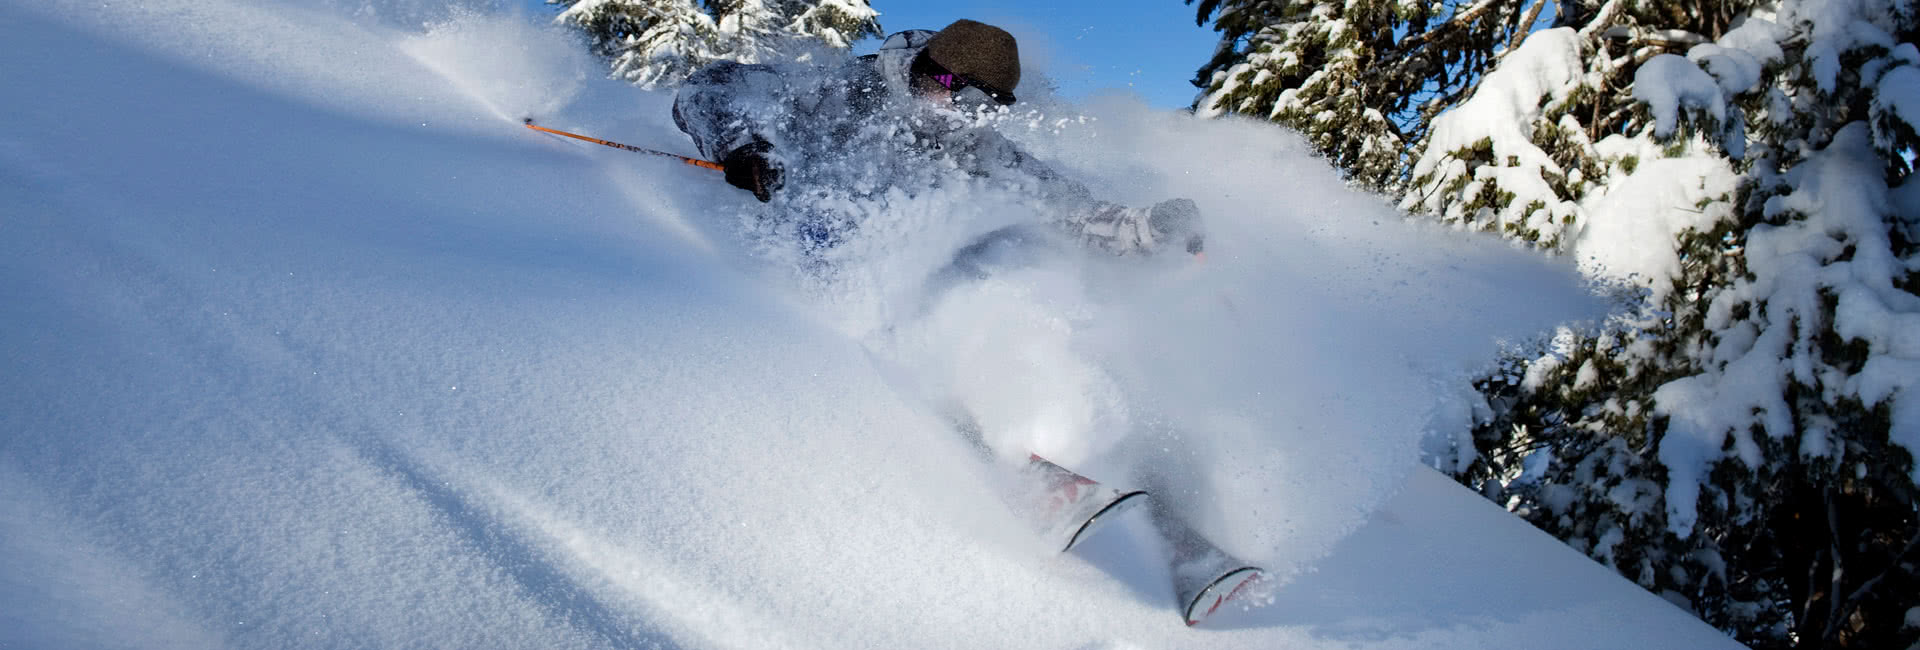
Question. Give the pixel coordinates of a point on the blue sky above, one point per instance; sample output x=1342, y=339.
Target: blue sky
x=1150, y=47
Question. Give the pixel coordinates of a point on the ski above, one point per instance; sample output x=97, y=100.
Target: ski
x=1227, y=588
x=1070, y=507
x=1204, y=576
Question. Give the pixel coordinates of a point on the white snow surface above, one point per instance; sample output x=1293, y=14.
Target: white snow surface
x=309, y=344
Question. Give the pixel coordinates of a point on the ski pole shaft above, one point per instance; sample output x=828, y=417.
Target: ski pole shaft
x=691, y=161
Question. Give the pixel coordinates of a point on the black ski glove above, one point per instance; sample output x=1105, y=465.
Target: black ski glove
x=749, y=168
x=1175, y=218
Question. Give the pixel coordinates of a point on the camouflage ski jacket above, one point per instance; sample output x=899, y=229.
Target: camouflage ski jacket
x=857, y=126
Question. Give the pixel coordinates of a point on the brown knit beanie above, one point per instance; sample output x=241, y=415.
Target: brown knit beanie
x=985, y=53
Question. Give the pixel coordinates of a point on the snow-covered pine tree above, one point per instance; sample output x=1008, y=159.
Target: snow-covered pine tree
x=1361, y=79
x=647, y=42
x=660, y=42
x=1526, y=176
x=836, y=24
x=1743, y=444
x=1791, y=444
x=751, y=30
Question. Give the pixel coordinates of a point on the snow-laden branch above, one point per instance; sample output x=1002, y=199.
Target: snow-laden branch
x=1639, y=35
x=1525, y=25
x=1458, y=22
x=1603, y=19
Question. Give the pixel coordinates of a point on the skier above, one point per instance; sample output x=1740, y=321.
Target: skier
x=809, y=136
x=812, y=130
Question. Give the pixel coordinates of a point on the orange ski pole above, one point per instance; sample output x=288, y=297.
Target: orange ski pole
x=691, y=161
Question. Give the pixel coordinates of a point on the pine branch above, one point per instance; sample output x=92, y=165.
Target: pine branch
x=1458, y=22
x=1839, y=573
x=1813, y=588
x=1854, y=599
x=1603, y=19
x=1647, y=36
x=1526, y=25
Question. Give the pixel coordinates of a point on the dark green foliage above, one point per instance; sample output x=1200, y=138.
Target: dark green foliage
x=1803, y=537
x=1338, y=73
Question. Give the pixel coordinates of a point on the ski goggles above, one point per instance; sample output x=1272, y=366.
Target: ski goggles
x=965, y=89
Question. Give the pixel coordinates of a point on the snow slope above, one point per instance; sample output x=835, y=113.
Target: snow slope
x=308, y=344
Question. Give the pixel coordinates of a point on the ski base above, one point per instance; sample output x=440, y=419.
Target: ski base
x=1221, y=591
x=1107, y=514
x=1070, y=508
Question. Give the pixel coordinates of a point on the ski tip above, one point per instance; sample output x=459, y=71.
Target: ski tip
x=1228, y=587
x=1107, y=514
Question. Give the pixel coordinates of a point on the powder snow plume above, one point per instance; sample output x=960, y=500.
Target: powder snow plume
x=1318, y=341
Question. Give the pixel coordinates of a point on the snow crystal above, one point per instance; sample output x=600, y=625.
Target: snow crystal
x=1546, y=66
x=1823, y=60
x=1669, y=83
x=1712, y=561
x=1604, y=545
x=1758, y=38
x=1540, y=372
x=1816, y=442
x=1656, y=203
x=1536, y=465
x=1737, y=70
x=1906, y=53
x=1587, y=376
x=1898, y=95
x=1705, y=409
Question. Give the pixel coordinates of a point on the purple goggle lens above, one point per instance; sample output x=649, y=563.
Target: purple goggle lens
x=923, y=65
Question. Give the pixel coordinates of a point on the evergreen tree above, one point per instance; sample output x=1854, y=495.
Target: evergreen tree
x=1550, y=145
x=834, y=23
x=753, y=30
x=647, y=42
x=661, y=42
x=1361, y=79
x=1733, y=446
x=1742, y=443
